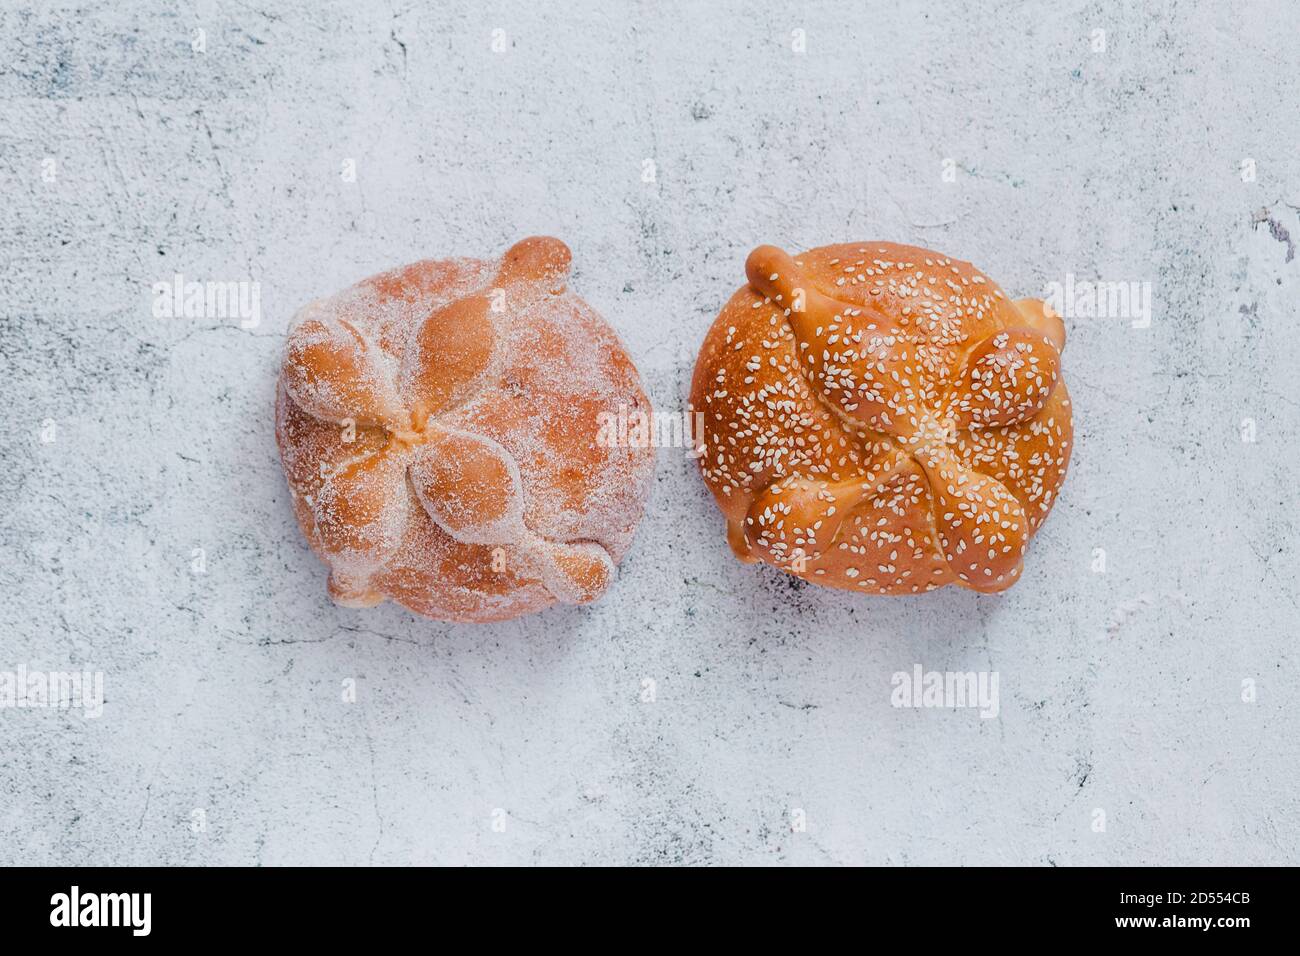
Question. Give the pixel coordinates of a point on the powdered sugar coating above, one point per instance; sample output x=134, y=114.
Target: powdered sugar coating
x=438, y=428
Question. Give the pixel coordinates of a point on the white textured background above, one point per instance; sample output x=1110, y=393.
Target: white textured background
x=1119, y=690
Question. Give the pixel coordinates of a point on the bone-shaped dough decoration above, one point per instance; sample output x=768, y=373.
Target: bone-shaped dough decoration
x=882, y=418
x=437, y=426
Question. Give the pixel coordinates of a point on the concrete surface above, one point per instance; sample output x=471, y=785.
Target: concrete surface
x=1148, y=711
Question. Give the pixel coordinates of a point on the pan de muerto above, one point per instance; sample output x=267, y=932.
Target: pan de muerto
x=438, y=428
x=882, y=418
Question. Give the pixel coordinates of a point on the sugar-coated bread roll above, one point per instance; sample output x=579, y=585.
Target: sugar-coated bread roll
x=438, y=426
x=882, y=418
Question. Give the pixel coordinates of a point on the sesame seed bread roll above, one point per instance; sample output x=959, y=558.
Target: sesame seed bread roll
x=882, y=418
x=438, y=426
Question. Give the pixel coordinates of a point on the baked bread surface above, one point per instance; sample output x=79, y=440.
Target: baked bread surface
x=882, y=418
x=438, y=427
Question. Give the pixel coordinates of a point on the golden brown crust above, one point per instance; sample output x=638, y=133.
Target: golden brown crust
x=438, y=427
x=882, y=418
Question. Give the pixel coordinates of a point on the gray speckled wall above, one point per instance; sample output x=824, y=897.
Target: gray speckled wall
x=1148, y=711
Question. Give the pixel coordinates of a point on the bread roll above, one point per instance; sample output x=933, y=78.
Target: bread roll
x=882, y=418
x=438, y=428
